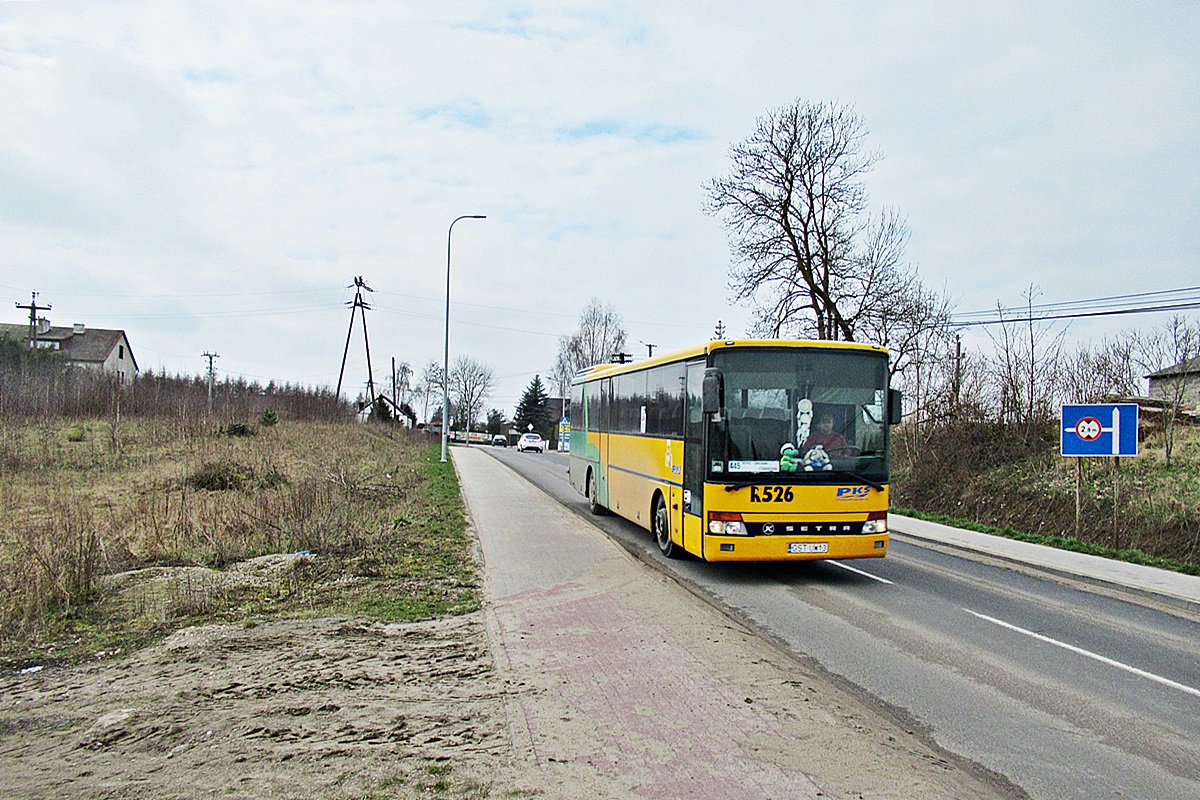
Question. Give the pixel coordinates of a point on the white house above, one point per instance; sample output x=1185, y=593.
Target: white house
x=1178, y=383
x=94, y=348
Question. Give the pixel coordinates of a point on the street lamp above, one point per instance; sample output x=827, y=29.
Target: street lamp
x=446, y=353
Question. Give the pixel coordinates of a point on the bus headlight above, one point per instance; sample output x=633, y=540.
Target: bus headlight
x=876, y=523
x=725, y=524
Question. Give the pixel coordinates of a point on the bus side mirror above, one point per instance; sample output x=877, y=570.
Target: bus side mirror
x=712, y=391
x=895, y=407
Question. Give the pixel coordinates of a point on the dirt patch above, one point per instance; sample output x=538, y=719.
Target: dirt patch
x=333, y=707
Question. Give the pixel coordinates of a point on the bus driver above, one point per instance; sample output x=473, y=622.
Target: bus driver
x=825, y=436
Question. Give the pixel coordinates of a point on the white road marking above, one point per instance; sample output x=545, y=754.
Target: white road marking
x=859, y=571
x=1103, y=660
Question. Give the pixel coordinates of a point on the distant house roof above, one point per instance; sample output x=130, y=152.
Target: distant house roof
x=77, y=343
x=1190, y=366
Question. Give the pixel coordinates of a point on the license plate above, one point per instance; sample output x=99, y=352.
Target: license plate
x=806, y=547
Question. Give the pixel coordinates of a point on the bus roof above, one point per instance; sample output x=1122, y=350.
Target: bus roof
x=608, y=370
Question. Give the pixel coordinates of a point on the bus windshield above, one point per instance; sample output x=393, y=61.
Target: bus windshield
x=802, y=415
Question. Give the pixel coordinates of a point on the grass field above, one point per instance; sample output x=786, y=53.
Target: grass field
x=112, y=536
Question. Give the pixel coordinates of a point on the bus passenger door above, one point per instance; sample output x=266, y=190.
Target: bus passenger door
x=693, y=461
x=604, y=427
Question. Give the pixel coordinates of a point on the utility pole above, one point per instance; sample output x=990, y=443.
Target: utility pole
x=361, y=306
x=649, y=347
x=719, y=333
x=957, y=373
x=33, y=309
x=212, y=378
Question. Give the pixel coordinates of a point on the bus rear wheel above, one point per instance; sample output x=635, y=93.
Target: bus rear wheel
x=662, y=530
x=593, y=501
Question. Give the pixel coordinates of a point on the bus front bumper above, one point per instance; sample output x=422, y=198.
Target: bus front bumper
x=793, y=548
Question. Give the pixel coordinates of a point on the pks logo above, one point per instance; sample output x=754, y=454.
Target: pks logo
x=853, y=492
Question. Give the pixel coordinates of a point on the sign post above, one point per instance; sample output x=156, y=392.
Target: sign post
x=1088, y=431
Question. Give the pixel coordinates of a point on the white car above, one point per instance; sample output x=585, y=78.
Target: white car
x=530, y=441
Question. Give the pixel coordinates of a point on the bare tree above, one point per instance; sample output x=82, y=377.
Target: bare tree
x=1027, y=367
x=401, y=382
x=470, y=385
x=1091, y=373
x=432, y=387
x=1176, y=343
x=600, y=336
x=808, y=256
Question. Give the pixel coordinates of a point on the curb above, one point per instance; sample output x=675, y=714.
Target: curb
x=1162, y=587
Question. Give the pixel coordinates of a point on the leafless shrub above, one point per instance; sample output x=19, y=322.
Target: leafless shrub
x=1027, y=367
x=56, y=561
x=137, y=512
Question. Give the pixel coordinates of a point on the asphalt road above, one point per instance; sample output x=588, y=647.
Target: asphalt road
x=1067, y=692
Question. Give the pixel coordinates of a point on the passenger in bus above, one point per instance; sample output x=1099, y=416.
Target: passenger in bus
x=833, y=442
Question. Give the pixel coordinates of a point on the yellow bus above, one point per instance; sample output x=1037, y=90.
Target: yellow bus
x=742, y=450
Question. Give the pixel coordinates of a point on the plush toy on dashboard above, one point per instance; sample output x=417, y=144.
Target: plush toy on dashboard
x=789, y=458
x=817, y=460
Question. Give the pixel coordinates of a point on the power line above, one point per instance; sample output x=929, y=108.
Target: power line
x=1182, y=299
x=1099, y=301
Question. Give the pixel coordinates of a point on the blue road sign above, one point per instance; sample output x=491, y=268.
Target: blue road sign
x=1100, y=430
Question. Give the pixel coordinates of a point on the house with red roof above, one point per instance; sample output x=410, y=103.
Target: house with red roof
x=94, y=348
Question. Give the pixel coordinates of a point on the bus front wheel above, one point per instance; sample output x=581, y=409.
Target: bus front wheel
x=662, y=529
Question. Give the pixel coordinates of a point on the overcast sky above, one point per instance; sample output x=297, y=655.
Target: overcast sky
x=212, y=176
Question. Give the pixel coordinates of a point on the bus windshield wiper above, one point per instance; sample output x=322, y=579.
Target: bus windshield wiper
x=841, y=473
x=845, y=473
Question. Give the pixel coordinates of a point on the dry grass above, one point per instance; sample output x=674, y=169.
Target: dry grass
x=989, y=476
x=111, y=535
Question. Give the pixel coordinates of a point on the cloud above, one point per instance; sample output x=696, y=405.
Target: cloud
x=214, y=153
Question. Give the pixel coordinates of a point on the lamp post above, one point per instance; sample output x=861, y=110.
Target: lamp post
x=446, y=353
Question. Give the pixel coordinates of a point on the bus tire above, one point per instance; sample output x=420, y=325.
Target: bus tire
x=593, y=501
x=662, y=529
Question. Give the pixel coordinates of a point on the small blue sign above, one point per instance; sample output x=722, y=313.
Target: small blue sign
x=1100, y=430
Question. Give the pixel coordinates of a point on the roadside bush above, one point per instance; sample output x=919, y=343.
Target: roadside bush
x=1001, y=476
x=224, y=476
x=238, y=429
x=934, y=464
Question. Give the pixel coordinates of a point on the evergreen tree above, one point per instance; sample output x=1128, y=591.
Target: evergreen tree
x=496, y=422
x=534, y=409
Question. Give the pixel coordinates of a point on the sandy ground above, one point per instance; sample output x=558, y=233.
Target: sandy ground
x=344, y=708
x=557, y=689
x=308, y=708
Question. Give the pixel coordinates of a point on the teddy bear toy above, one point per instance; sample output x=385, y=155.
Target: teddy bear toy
x=817, y=460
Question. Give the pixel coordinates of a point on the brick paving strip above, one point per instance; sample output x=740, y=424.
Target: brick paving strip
x=624, y=683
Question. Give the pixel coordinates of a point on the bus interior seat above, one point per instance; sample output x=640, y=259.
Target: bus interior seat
x=752, y=429
x=740, y=442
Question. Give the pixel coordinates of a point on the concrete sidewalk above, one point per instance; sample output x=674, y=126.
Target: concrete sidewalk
x=1170, y=588
x=623, y=684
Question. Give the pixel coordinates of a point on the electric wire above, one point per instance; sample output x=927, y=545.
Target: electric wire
x=1182, y=299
